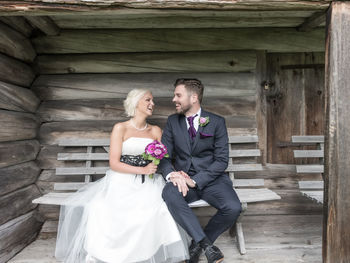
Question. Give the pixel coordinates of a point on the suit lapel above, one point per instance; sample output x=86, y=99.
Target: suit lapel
x=183, y=127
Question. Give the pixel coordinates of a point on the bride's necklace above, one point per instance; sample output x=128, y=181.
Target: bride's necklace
x=133, y=125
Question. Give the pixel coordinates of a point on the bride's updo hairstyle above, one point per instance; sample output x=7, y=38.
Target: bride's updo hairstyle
x=132, y=99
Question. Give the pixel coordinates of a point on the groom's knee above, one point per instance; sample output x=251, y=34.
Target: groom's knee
x=170, y=193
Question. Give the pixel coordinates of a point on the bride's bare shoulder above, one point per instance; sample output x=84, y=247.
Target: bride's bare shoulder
x=156, y=131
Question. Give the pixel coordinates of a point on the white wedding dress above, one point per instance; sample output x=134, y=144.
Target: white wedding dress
x=120, y=219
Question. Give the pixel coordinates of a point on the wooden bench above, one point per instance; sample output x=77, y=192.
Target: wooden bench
x=311, y=189
x=248, y=190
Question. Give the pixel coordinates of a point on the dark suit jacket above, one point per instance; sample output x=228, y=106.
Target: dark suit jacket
x=208, y=155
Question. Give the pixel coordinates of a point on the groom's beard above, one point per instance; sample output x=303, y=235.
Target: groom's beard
x=183, y=110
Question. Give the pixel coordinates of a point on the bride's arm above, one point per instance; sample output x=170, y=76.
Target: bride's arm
x=115, y=152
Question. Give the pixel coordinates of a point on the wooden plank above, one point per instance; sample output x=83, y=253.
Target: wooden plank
x=181, y=21
x=109, y=7
x=312, y=168
x=113, y=109
x=15, y=72
x=80, y=170
x=243, y=139
x=17, y=234
x=16, y=98
x=244, y=167
x=17, y=126
x=18, y=176
x=110, y=86
x=12, y=153
x=261, y=104
x=308, y=153
x=21, y=201
x=19, y=24
x=311, y=184
x=315, y=195
x=225, y=61
x=44, y=24
x=308, y=139
x=244, y=153
x=336, y=238
x=82, y=156
x=16, y=45
x=148, y=40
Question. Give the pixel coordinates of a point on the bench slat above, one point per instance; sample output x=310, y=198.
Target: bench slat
x=312, y=168
x=244, y=167
x=236, y=183
x=243, y=139
x=311, y=184
x=308, y=153
x=245, y=153
x=245, y=196
x=308, y=139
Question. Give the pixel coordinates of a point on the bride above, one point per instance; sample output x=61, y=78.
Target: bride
x=122, y=217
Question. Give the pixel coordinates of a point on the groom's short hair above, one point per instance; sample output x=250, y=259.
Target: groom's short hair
x=192, y=85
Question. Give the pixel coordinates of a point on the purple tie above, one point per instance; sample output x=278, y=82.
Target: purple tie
x=191, y=131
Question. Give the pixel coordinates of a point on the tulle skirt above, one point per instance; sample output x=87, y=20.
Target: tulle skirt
x=119, y=219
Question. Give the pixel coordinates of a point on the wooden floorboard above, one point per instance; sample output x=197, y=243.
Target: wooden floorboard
x=275, y=238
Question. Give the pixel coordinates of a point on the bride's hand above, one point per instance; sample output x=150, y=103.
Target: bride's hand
x=151, y=168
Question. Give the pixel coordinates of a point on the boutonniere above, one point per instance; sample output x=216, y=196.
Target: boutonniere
x=203, y=121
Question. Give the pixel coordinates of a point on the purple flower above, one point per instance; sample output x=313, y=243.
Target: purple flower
x=203, y=121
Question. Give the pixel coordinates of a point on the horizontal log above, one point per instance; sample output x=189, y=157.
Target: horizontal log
x=17, y=234
x=19, y=24
x=112, y=109
x=17, y=152
x=117, y=6
x=151, y=40
x=225, y=61
x=17, y=126
x=14, y=44
x=15, y=72
x=18, y=176
x=16, y=98
x=17, y=203
x=99, y=86
x=51, y=133
x=184, y=19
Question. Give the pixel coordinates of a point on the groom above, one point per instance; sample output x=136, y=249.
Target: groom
x=197, y=141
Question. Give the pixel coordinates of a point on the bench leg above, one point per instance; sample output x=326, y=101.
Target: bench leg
x=239, y=231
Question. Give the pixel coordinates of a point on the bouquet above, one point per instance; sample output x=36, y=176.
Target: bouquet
x=155, y=151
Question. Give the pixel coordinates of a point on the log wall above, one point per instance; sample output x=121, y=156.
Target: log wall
x=19, y=147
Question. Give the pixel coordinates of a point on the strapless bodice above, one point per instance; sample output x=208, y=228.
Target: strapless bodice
x=135, y=145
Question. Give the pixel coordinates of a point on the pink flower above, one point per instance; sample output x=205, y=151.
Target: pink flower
x=202, y=120
x=150, y=148
x=158, y=152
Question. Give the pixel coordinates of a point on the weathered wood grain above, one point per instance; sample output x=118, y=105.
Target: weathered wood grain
x=61, y=6
x=295, y=95
x=112, y=109
x=337, y=142
x=234, y=61
x=312, y=22
x=21, y=201
x=17, y=234
x=16, y=98
x=17, y=126
x=14, y=44
x=19, y=24
x=163, y=40
x=103, y=86
x=17, y=152
x=44, y=24
x=15, y=72
x=18, y=176
x=183, y=20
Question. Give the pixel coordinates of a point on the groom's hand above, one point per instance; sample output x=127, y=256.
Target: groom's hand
x=180, y=181
x=188, y=179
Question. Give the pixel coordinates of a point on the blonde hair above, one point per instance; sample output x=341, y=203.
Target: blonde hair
x=132, y=99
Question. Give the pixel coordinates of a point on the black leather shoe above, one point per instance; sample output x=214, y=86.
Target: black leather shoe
x=195, y=251
x=213, y=254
